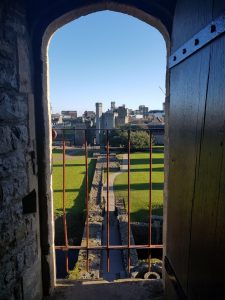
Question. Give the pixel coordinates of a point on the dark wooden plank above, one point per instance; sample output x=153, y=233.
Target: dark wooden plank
x=206, y=279
x=218, y=8
x=187, y=107
x=170, y=292
x=219, y=249
x=219, y=246
x=190, y=17
x=185, y=122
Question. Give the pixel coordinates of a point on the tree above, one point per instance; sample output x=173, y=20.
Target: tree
x=138, y=139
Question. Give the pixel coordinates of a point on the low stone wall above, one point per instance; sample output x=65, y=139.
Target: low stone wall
x=95, y=230
x=140, y=231
x=122, y=217
x=114, y=164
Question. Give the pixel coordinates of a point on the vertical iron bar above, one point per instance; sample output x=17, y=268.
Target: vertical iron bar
x=128, y=207
x=108, y=232
x=64, y=201
x=87, y=199
x=150, y=201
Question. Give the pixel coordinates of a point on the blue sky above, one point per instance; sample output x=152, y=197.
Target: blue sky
x=104, y=57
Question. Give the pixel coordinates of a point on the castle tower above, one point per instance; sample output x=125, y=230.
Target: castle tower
x=113, y=105
x=98, y=121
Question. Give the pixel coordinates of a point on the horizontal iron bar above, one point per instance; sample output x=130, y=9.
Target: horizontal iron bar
x=112, y=129
x=198, y=41
x=112, y=247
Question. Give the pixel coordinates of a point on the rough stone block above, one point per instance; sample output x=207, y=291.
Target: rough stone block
x=31, y=119
x=31, y=286
x=24, y=66
x=12, y=164
x=10, y=35
x=14, y=188
x=15, y=19
x=20, y=232
x=7, y=51
x=12, y=107
x=5, y=140
x=19, y=136
x=8, y=73
x=12, y=138
x=20, y=261
x=9, y=271
x=7, y=239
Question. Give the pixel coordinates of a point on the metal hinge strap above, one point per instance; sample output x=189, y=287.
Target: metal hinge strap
x=198, y=41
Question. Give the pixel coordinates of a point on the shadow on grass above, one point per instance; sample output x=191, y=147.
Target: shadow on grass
x=66, y=190
x=142, y=215
x=158, y=169
x=75, y=216
x=155, y=149
x=139, y=186
x=147, y=170
x=73, y=152
x=158, y=149
x=145, y=161
x=68, y=165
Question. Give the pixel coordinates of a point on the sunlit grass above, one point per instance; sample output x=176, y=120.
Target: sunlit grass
x=75, y=192
x=139, y=181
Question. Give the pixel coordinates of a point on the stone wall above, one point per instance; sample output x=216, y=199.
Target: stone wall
x=95, y=229
x=123, y=226
x=20, y=275
x=140, y=231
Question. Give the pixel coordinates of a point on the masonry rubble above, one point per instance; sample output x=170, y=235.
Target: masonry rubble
x=95, y=228
x=96, y=212
x=138, y=268
x=122, y=217
x=140, y=230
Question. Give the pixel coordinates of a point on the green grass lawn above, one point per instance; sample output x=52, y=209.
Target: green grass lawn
x=75, y=193
x=139, y=180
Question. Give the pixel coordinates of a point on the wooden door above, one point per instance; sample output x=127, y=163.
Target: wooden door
x=196, y=181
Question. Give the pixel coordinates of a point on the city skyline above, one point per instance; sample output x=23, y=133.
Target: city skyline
x=124, y=62
x=105, y=109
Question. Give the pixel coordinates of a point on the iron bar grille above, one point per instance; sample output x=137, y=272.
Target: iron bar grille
x=106, y=148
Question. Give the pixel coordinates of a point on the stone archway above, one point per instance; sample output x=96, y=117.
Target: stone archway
x=42, y=35
x=195, y=182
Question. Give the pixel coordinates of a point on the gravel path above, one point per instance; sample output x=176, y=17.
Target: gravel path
x=116, y=262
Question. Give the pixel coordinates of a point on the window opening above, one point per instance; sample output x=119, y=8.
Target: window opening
x=83, y=154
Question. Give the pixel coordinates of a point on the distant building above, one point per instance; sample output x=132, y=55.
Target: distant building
x=130, y=112
x=156, y=113
x=109, y=119
x=139, y=116
x=71, y=113
x=113, y=105
x=158, y=133
x=79, y=134
x=98, y=121
x=143, y=110
x=88, y=114
x=122, y=117
x=56, y=119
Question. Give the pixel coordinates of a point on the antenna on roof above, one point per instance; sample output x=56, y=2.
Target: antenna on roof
x=162, y=90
